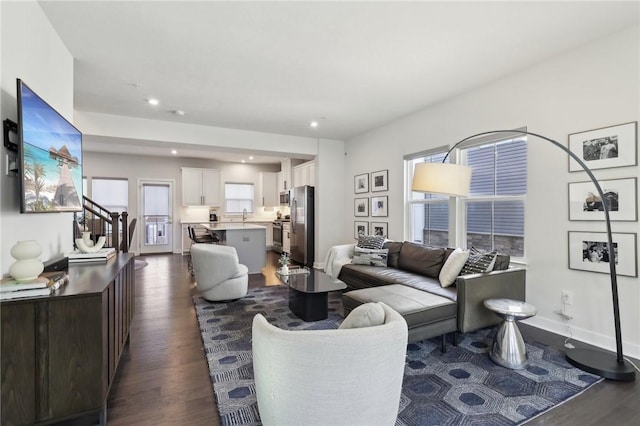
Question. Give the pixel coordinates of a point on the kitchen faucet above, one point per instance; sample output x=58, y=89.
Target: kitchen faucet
x=244, y=214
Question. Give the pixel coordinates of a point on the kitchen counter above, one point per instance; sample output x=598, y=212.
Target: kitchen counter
x=248, y=239
x=238, y=221
x=225, y=226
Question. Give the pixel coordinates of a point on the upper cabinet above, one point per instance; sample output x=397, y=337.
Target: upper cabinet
x=284, y=177
x=201, y=187
x=305, y=174
x=268, y=193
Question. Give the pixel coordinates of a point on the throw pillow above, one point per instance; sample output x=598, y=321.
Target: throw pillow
x=370, y=241
x=365, y=315
x=479, y=262
x=363, y=256
x=452, y=267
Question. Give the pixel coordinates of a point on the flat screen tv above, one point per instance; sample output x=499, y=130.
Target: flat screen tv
x=50, y=157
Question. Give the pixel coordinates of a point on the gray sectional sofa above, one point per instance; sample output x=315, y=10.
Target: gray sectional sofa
x=431, y=310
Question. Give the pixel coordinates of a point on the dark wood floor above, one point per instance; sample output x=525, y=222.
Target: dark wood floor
x=163, y=378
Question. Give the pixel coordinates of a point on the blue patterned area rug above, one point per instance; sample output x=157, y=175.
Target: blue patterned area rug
x=460, y=387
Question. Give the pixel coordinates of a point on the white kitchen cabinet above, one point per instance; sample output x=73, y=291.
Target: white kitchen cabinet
x=201, y=187
x=304, y=174
x=268, y=194
x=285, y=178
x=286, y=237
x=269, y=226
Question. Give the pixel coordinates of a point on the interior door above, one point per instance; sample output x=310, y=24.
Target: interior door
x=155, y=204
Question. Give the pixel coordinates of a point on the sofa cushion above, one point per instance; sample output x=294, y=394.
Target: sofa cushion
x=452, y=267
x=370, y=241
x=364, y=256
x=394, y=252
x=421, y=259
x=479, y=262
x=366, y=315
x=416, y=307
x=364, y=276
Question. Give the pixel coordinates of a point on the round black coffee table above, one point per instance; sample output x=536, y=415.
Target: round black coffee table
x=309, y=293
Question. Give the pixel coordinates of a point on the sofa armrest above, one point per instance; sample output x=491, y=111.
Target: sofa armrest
x=474, y=289
x=336, y=257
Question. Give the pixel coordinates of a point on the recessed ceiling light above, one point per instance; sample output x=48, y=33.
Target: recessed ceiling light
x=174, y=152
x=251, y=158
x=153, y=101
x=242, y=161
x=178, y=112
x=314, y=124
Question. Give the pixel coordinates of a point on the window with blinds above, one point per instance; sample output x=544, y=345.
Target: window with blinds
x=238, y=197
x=111, y=193
x=429, y=213
x=494, y=210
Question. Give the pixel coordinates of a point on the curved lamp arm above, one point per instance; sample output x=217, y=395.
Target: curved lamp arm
x=588, y=360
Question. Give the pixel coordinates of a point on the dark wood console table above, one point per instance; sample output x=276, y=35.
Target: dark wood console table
x=59, y=353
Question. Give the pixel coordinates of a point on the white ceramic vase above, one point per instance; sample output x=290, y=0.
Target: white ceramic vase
x=27, y=266
x=86, y=245
x=284, y=270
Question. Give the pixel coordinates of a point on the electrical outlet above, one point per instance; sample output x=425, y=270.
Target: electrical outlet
x=566, y=297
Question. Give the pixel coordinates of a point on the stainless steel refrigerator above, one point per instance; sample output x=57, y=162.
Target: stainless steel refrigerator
x=301, y=201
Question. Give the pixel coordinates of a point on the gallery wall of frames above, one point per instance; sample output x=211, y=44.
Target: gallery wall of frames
x=369, y=204
x=604, y=148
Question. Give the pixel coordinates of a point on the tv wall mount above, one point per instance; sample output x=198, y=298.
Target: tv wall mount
x=9, y=126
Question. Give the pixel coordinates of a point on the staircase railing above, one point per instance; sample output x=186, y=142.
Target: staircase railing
x=99, y=221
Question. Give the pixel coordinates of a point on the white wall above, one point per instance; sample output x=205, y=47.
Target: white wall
x=31, y=50
x=594, y=86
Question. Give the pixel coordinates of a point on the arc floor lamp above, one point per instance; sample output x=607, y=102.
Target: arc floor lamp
x=454, y=180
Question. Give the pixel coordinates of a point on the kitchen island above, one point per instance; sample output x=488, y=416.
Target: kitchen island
x=249, y=241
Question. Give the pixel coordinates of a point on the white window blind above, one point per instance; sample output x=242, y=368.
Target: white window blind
x=237, y=197
x=495, y=207
x=112, y=194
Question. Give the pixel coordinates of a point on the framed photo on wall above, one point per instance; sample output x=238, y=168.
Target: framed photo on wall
x=621, y=198
x=379, y=206
x=614, y=146
x=589, y=251
x=379, y=181
x=360, y=228
x=361, y=183
x=379, y=229
x=361, y=207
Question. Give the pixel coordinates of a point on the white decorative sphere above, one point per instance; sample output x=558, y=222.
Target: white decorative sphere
x=28, y=249
x=27, y=266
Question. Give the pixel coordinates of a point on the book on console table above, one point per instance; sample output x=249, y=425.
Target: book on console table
x=44, y=285
x=101, y=255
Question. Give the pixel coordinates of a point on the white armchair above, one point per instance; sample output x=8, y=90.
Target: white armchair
x=330, y=377
x=218, y=274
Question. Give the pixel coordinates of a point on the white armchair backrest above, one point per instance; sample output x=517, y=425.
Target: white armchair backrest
x=329, y=377
x=214, y=264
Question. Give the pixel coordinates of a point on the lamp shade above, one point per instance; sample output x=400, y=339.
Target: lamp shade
x=442, y=178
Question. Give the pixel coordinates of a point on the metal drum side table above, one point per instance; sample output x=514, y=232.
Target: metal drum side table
x=508, y=349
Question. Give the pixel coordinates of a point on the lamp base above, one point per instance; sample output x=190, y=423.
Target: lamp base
x=602, y=363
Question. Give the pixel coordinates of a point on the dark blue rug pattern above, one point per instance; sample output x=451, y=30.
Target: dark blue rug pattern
x=460, y=387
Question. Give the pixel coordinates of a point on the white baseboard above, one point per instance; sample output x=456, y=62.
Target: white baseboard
x=586, y=336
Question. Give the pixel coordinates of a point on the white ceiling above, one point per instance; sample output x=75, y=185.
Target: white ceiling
x=275, y=66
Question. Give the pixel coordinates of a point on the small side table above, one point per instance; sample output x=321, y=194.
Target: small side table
x=508, y=349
